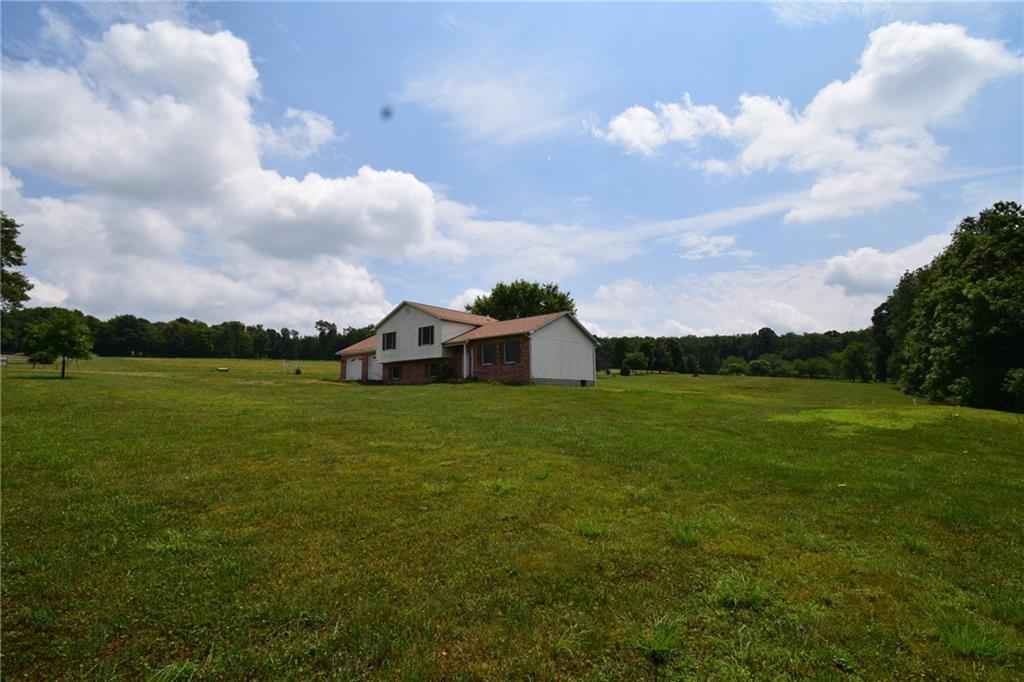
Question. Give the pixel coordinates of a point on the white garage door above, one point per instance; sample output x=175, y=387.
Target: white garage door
x=354, y=369
x=375, y=369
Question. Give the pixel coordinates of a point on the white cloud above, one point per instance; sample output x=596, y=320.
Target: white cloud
x=699, y=245
x=816, y=296
x=808, y=13
x=865, y=139
x=56, y=27
x=305, y=134
x=868, y=271
x=466, y=298
x=177, y=214
x=491, y=98
x=643, y=131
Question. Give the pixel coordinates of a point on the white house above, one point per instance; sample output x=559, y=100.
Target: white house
x=417, y=343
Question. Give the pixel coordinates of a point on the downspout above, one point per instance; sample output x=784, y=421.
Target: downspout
x=465, y=360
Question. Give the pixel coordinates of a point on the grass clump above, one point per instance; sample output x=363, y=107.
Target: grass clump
x=972, y=638
x=175, y=672
x=737, y=591
x=660, y=640
x=41, y=617
x=915, y=545
x=438, y=488
x=684, y=532
x=501, y=486
x=593, y=529
x=170, y=541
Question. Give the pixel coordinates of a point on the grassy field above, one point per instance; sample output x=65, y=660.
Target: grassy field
x=164, y=520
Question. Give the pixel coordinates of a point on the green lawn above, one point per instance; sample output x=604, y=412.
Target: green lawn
x=163, y=519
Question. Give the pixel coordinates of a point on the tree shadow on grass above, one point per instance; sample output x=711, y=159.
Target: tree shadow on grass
x=36, y=377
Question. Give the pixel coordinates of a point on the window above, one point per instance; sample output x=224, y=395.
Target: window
x=395, y=371
x=487, y=352
x=511, y=351
x=433, y=370
x=427, y=336
x=391, y=341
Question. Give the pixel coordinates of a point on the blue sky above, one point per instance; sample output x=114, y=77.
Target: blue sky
x=680, y=168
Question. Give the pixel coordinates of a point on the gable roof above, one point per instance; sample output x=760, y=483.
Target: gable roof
x=520, y=325
x=442, y=314
x=367, y=345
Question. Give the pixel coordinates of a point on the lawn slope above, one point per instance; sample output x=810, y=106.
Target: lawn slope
x=162, y=518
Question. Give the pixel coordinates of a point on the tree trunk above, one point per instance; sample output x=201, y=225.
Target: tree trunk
x=63, y=364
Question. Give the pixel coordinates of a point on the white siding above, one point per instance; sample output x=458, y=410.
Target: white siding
x=354, y=369
x=450, y=330
x=406, y=323
x=561, y=351
x=374, y=373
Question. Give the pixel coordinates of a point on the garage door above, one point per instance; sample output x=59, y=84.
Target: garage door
x=354, y=369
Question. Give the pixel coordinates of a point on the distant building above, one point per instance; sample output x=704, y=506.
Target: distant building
x=417, y=343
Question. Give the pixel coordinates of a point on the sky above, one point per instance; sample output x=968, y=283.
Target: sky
x=680, y=169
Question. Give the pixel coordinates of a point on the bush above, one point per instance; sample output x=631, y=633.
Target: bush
x=624, y=372
x=42, y=357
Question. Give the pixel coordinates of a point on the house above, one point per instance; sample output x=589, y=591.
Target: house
x=417, y=343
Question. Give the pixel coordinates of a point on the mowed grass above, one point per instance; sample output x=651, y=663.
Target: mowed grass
x=163, y=520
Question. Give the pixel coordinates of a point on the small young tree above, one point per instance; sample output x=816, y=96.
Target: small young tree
x=64, y=335
x=635, y=361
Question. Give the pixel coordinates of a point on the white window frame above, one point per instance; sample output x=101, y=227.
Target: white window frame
x=394, y=341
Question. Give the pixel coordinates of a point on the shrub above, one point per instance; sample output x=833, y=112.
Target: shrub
x=624, y=372
x=42, y=357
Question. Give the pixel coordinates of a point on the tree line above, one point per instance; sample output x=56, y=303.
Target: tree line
x=128, y=335
x=830, y=354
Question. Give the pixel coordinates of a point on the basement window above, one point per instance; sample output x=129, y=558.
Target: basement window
x=395, y=372
x=433, y=370
x=427, y=336
x=390, y=341
x=487, y=353
x=511, y=352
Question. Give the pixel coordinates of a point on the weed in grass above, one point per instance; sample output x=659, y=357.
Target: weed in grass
x=639, y=495
x=593, y=529
x=684, y=532
x=973, y=638
x=736, y=591
x=501, y=486
x=915, y=545
x=1010, y=611
x=40, y=616
x=569, y=642
x=958, y=515
x=171, y=541
x=175, y=672
x=542, y=475
x=438, y=488
x=660, y=640
x=812, y=542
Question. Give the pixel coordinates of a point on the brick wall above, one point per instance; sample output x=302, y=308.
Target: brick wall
x=415, y=371
x=513, y=373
